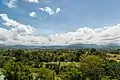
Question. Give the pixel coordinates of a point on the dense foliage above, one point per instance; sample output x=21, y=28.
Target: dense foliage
x=60, y=64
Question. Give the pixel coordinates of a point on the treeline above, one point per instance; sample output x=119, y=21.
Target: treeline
x=60, y=64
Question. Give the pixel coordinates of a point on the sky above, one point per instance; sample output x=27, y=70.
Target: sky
x=59, y=22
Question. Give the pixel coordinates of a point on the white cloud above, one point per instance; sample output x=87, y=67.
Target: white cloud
x=16, y=27
x=32, y=14
x=50, y=11
x=16, y=32
x=58, y=10
x=22, y=34
x=8, y=22
x=33, y=1
x=11, y=3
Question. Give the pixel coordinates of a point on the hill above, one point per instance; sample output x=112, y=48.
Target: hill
x=73, y=46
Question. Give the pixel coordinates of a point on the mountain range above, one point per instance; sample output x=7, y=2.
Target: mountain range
x=72, y=46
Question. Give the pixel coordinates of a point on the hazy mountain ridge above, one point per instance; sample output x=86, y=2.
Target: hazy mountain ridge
x=73, y=46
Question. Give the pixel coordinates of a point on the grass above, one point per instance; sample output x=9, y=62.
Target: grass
x=61, y=63
x=115, y=57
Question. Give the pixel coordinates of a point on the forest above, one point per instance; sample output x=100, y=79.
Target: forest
x=60, y=64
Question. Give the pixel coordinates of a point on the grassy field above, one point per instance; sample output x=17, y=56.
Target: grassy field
x=1, y=69
x=1, y=76
x=115, y=57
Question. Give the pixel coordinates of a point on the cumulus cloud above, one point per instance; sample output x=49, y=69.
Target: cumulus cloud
x=16, y=26
x=50, y=11
x=22, y=34
x=11, y=3
x=33, y=1
x=8, y=22
x=32, y=14
x=58, y=10
x=16, y=32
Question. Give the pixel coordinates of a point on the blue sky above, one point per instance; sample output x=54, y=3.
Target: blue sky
x=73, y=14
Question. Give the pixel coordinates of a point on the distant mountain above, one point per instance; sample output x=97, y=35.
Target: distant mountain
x=76, y=46
x=73, y=46
x=106, y=46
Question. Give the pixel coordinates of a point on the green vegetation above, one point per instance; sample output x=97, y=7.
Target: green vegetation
x=60, y=64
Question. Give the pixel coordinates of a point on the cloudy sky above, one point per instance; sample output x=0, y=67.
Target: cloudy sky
x=59, y=22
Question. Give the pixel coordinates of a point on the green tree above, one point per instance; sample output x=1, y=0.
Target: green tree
x=16, y=71
x=45, y=74
x=92, y=67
